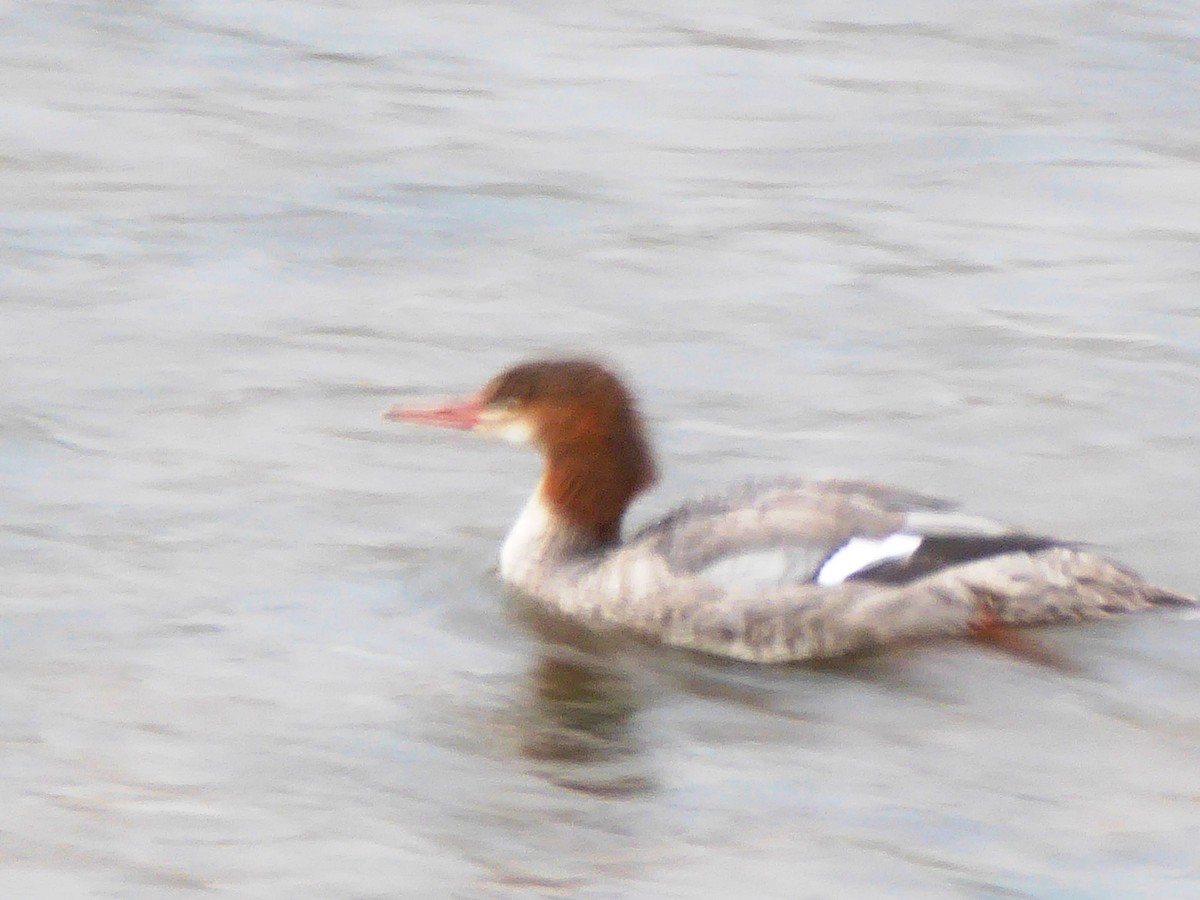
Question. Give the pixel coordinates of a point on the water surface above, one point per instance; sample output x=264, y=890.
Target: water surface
x=251, y=640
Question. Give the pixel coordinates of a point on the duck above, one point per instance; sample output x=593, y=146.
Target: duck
x=772, y=571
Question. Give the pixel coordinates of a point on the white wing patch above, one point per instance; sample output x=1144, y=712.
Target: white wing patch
x=859, y=554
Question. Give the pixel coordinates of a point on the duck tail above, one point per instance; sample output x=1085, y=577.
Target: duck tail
x=1162, y=597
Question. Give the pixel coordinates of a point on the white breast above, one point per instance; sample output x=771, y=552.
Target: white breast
x=526, y=539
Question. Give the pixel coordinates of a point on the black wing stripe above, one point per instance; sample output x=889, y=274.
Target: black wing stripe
x=941, y=552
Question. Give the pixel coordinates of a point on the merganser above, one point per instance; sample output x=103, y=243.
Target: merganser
x=771, y=572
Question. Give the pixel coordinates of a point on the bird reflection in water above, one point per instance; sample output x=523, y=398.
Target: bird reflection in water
x=580, y=728
x=580, y=723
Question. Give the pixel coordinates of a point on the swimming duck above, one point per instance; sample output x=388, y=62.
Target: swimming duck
x=767, y=572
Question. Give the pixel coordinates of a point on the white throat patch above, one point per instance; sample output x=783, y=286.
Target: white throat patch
x=507, y=427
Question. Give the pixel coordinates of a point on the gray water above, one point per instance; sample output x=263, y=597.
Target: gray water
x=251, y=640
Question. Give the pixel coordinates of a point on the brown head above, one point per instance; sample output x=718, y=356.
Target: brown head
x=583, y=420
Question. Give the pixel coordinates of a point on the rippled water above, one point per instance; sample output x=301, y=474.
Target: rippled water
x=251, y=643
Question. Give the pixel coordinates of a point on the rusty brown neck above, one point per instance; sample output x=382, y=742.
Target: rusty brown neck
x=593, y=469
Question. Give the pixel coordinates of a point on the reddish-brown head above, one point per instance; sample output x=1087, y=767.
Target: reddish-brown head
x=583, y=420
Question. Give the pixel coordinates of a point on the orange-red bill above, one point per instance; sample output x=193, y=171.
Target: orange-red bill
x=456, y=414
